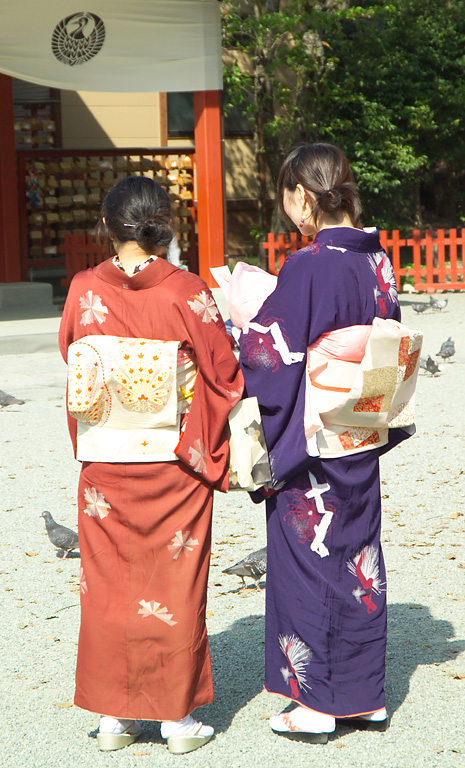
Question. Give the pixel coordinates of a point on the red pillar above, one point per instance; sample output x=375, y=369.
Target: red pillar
x=209, y=178
x=10, y=259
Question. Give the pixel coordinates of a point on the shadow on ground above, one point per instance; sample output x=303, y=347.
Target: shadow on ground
x=415, y=638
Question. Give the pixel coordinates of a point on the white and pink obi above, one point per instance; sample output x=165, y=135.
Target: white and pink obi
x=128, y=396
x=360, y=380
x=360, y=383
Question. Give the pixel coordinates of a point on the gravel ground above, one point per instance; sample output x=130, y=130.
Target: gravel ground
x=424, y=525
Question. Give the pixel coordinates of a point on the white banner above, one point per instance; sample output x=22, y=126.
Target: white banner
x=113, y=45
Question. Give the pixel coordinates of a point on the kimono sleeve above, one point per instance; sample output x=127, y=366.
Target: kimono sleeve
x=204, y=445
x=66, y=336
x=273, y=361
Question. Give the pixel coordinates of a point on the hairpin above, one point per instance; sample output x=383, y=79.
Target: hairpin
x=129, y=225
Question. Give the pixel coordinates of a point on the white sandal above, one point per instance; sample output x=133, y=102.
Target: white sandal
x=185, y=735
x=108, y=741
x=313, y=728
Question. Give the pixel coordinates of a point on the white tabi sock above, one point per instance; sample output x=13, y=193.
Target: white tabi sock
x=114, y=725
x=184, y=727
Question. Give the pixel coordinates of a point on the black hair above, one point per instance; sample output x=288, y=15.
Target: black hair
x=324, y=170
x=138, y=209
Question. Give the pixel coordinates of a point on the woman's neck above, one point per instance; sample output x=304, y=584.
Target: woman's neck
x=130, y=255
x=326, y=221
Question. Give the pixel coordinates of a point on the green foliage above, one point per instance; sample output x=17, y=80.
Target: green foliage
x=385, y=81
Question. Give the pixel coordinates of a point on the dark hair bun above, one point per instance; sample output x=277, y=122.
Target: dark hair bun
x=154, y=230
x=330, y=201
x=137, y=208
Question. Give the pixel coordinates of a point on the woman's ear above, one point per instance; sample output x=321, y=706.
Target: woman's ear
x=301, y=194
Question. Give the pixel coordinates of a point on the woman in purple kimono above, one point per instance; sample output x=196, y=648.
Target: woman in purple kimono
x=326, y=582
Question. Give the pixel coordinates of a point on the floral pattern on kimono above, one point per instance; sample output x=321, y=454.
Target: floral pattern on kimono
x=152, y=608
x=204, y=305
x=96, y=506
x=310, y=515
x=182, y=543
x=92, y=309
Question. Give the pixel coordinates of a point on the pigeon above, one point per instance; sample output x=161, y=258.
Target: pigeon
x=436, y=304
x=420, y=307
x=447, y=349
x=9, y=400
x=254, y=565
x=429, y=365
x=61, y=537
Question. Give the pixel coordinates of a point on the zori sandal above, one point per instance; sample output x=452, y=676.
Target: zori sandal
x=374, y=721
x=303, y=725
x=183, y=743
x=185, y=735
x=110, y=741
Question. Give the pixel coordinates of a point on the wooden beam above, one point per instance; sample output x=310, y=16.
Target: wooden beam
x=10, y=259
x=209, y=180
x=163, y=111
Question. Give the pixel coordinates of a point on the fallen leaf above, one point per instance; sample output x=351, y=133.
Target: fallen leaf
x=209, y=613
x=339, y=745
x=459, y=676
x=139, y=752
x=63, y=704
x=32, y=554
x=454, y=515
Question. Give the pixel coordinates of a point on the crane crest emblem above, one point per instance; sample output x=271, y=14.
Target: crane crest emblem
x=78, y=38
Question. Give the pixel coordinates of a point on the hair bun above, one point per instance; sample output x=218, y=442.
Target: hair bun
x=330, y=200
x=157, y=229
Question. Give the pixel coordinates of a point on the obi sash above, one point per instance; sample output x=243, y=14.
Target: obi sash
x=128, y=396
x=360, y=383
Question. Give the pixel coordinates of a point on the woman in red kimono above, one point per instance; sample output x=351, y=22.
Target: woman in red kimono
x=151, y=381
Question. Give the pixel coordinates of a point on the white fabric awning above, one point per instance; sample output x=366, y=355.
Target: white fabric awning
x=113, y=45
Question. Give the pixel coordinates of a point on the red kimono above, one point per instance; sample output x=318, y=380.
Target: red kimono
x=147, y=409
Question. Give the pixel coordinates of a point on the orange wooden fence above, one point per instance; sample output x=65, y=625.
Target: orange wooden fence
x=437, y=258
x=80, y=252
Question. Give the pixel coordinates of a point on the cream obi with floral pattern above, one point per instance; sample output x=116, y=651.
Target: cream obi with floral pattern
x=128, y=396
x=360, y=383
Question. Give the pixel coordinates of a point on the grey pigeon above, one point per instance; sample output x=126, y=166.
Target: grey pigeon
x=6, y=399
x=420, y=307
x=447, y=349
x=61, y=537
x=429, y=365
x=254, y=565
x=436, y=304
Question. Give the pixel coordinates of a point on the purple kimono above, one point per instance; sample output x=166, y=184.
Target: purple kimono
x=326, y=582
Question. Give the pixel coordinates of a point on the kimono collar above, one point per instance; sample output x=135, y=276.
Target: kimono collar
x=363, y=240
x=151, y=275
